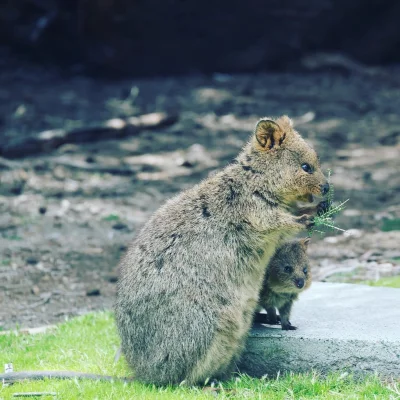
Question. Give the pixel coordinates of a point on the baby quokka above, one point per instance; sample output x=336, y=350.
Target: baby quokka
x=288, y=274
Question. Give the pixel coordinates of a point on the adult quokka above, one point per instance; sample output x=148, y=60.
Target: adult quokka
x=189, y=283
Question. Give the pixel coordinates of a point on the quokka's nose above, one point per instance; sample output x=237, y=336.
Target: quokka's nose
x=299, y=282
x=325, y=189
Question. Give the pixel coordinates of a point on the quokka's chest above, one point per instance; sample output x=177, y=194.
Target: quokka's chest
x=277, y=300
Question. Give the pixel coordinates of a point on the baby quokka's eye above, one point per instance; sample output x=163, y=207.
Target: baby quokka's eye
x=288, y=269
x=305, y=270
x=307, y=168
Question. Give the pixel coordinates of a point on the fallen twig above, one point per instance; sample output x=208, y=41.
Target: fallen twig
x=30, y=331
x=7, y=164
x=34, y=394
x=123, y=170
x=45, y=300
x=111, y=129
x=12, y=377
x=102, y=169
x=323, y=60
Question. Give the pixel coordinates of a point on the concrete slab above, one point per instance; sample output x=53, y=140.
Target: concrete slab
x=341, y=327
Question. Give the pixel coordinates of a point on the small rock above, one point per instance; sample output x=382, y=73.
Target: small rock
x=7, y=222
x=68, y=148
x=367, y=176
x=186, y=163
x=196, y=155
x=94, y=209
x=35, y=290
x=32, y=260
x=148, y=168
x=119, y=226
x=57, y=224
x=111, y=278
x=13, y=182
x=45, y=278
x=355, y=233
x=93, y=292
x=90, y=159
x=59, y=173
x=20, y=111
x=40, y=267
x=16, y=190
x=93, y=250
x=42, y=210
x=352, y=213
x=222, y=78
x=338, y=139
x=385, y=267
x=390, y=139
x=331, y=239
x=41, y=166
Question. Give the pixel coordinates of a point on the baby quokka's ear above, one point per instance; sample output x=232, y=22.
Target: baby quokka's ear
x=268, y=134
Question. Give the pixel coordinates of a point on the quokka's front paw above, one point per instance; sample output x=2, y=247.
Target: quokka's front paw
x=261, y=318
x=274, y=320
x=323, y=207
x=288, y=327
x=306, y=220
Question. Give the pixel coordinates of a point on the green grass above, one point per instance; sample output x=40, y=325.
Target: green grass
x=388, y=281
x=390, y=224
x=325, y=220
x=111, y=217
x=348, y=277
x=13, y=237
x=88, y=344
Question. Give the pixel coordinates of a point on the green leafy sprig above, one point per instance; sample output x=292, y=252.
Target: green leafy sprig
x=325, y=219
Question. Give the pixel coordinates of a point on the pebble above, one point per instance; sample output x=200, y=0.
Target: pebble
x=93, y=292
x=90, y=159
x=35, y=290
x=32, y=260
x=42, y=210
x=356, y=233
x=111, y=278
x=331, y=239
x=119, y=226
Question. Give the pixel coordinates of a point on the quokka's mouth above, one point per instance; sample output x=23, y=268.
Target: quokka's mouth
x=307, y=198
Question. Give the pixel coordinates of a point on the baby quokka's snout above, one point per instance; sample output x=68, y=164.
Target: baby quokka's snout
x=299, y=282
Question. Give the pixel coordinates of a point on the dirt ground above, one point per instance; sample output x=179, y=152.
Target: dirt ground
x=67, y=214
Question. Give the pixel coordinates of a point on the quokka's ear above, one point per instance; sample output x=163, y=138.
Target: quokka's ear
x=269, y=134
x=285, y=122
x=305, y=242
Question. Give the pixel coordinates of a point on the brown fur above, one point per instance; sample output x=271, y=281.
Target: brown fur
x=279, y=289
x=189, y=283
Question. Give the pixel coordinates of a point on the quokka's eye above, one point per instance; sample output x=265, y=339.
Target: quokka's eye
x=288, y=269
x=307, y=168
x=305, y=270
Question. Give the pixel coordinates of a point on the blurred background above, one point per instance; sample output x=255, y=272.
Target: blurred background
x=109, y=107
x=125, y=37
